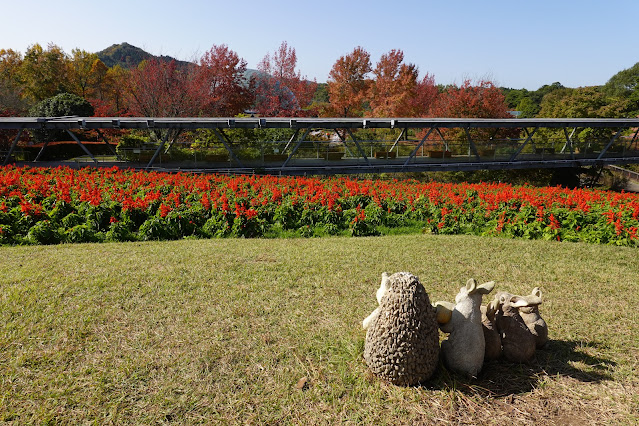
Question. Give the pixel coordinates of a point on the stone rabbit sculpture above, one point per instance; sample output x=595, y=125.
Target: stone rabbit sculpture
x=402, y=339
x=464, y=349
x=517, y=342
x=532, y=318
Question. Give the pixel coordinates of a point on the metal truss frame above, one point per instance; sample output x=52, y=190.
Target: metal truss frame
x=519, y=155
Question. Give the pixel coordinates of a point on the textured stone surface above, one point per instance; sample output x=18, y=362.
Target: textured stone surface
x=402, y=342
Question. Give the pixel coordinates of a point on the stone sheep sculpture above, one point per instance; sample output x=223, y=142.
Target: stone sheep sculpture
x=532, y=318
x=402, y=339
x=491, y=335
x=463, y=351
x=517, y=342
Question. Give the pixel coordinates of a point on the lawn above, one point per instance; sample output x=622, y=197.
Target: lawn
x=269, y=331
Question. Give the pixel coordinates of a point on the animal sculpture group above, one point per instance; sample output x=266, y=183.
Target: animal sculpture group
x=402, y=333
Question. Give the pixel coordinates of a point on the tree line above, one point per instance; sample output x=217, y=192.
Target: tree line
x=216, y=84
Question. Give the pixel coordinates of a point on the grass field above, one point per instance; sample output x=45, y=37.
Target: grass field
x=269, y=331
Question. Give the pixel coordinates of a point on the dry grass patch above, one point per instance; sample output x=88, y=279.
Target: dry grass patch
x=268, y=331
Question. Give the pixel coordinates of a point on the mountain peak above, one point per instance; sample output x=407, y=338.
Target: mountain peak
x=128, y=56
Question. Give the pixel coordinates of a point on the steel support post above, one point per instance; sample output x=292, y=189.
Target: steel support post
x=222, y=137
x=412, y=154
x=344, y=143
x=471, y=144
x=111, y=148
x=306, y=132
x=359, y=148
x=41, y=151
x=403, y=132
x=173, y=139
x=612, y=140
x=634, y=138
x=523, y=145
x=84, y=148
x=290, y=141
x=12, y=148
x=157, y=151
x=439, y=132
x=568, y=143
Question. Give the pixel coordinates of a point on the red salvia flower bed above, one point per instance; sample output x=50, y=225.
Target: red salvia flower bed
x=46, y=206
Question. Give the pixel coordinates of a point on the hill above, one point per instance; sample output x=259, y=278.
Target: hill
x=129, y=56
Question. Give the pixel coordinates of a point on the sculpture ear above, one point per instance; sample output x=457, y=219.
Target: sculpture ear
x=518, y=302
x=503, y=298
x=471, y=286
x=536, y=292
x=491, y=309
x=486, y=288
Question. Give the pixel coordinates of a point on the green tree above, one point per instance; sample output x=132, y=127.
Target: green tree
x=63, y=104
x=527, y=107
x=582, y=102
x=624, y=83
x=514, y=96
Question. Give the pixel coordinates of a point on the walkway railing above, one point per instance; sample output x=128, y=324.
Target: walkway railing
x=344, y=145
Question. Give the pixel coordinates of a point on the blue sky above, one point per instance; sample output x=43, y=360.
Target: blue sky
x=520, y=44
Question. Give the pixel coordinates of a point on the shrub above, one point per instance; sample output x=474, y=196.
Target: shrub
x=63, y=104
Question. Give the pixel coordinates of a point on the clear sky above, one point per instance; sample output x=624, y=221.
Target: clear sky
x=516, y=43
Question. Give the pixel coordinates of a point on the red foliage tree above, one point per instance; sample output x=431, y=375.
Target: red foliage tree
x=394, y=89
x=481, y=100
x=348, y=84
x=280, y=90
x=162, y=89
x=426, y=95
x=221, y=77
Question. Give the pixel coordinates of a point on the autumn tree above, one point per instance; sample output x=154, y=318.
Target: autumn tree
x=221, y=78
x=82, y=76
x=348, y=84
x=45, y=73
x=11, y=102
x=114, y=89
x=394, y=87
x=162, y=89
x=279, y=87
x=425, y=98
x=480, y=100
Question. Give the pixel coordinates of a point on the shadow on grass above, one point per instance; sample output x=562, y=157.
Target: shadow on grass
x=557, y=358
